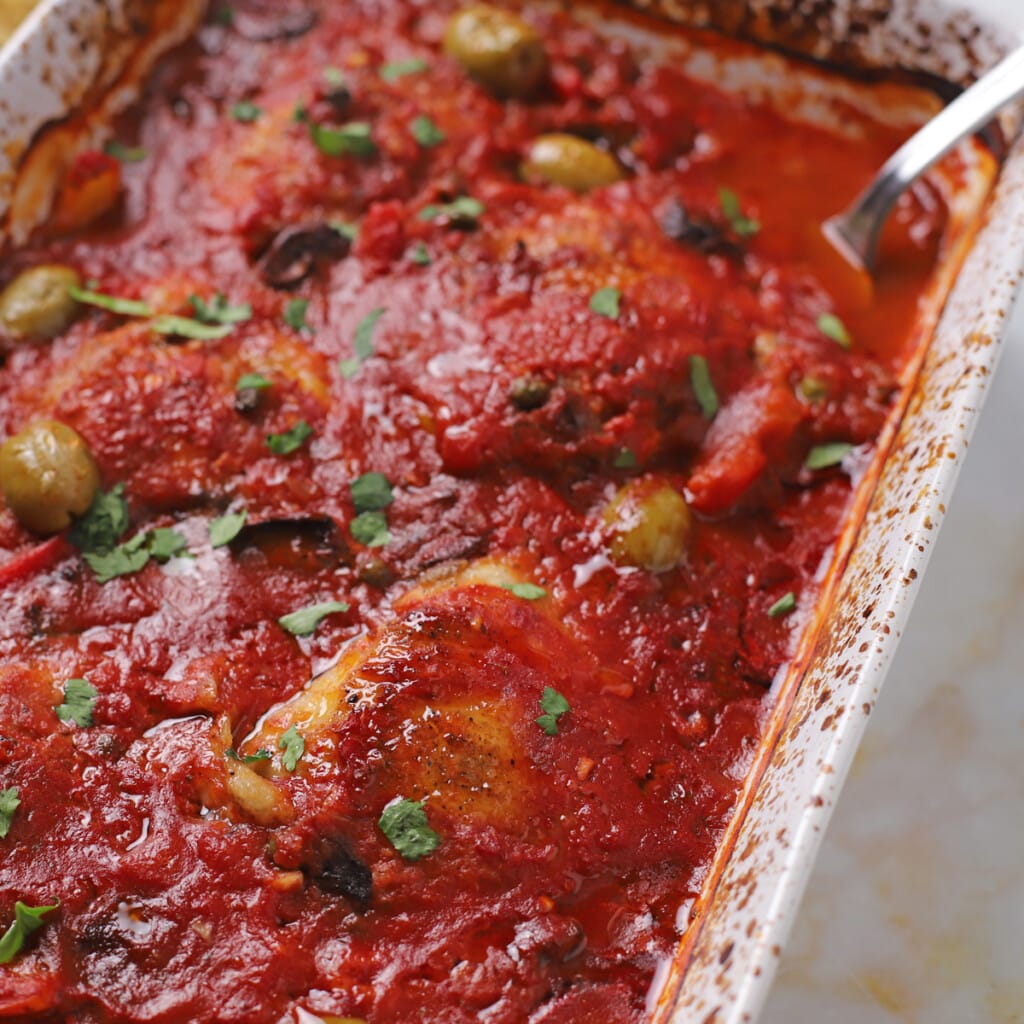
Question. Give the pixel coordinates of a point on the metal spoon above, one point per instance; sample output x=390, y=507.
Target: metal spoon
x=855, y=231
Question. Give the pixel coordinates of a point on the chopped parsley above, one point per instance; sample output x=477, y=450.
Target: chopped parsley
x=824, y=455
x=305, y=621
x=346, y=230
x=26, y=921
x=334, y=77
x=79, y=701
x=396, y=69
x=291, y=440
x=464, y=209
x=102, y=526
x=362, y=343
x=293, y=745
x=253, y=382
x=626, y=459
x=186, y=327
x=404, y=822
x=295, y=314
x=527, y=591
x=370, y=529
x=700, y=381
x=246, y=111
x=226, y=528
x=420, y=254
x=605, y=302
x=425, y=132
x=832, y=327
x=261, y=755
x=370, y=492
x=554, y=705
x=218, y=310
x=125, y=154
x=783, y=606
x=123, y=560
x=111, y=303
x=163, y=543
x=352, y=139
x=743, y=225
x=9, y=803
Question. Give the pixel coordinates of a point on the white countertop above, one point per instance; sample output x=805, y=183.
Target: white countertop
x=915, y=911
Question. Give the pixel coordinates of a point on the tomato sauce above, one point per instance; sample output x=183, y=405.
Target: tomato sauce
x=431, y=317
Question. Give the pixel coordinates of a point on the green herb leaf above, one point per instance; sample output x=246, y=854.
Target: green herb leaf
x=186, y=327
x=420, y=254
x=832, y=327
x=371, y=529
x=305, y=621
x=26, y=921
x=295, y=314
x=246, y=111
x=465, y=209
x=101, y=527
x=353, y=139
x=334, y=77
x=226, y=528
x=425, y=132
x=362, y=342
x=293, y=745
x=825, y=455
x=253, y=382
x=813, y=389
x=111, y=303
x=349, y=231
x=219, y=311
x=123, y=560
x=554, y=705
x=700, y=381
x=626, y=459
x=527, y=591
x=261, y=755
x=605, y=302
x=79, y=701
x=396, y=69
x=370, y=492
x=404, y=822
x=125, y=154
x=164, y=543
x=743, y=225
x=290, y=440
x=9, y=803
x=783, y=606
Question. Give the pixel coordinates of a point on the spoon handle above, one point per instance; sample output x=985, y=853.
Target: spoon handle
x=857, y=229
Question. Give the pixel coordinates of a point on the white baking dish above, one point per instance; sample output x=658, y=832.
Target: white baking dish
x=81, y=54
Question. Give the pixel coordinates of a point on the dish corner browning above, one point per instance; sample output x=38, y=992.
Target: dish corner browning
x=450, y=704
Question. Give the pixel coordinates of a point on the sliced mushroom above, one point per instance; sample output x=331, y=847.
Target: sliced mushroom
x=296, y=252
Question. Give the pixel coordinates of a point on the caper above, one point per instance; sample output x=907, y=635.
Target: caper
x=375, y=572
x=37, y=304
x=528, y=393
x=497, y=48
x=571, y=162
x=47, y=475
x=650, y=524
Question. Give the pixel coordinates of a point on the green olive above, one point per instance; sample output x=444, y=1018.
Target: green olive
x=571, y=162
x=497, y=48
x=37, y=304
x=650, y=524
x=47, y=475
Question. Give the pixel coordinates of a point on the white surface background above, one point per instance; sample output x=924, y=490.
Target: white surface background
x=915, y=911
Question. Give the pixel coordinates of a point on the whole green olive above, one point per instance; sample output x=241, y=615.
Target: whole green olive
x=497, y=48
x=37, y=304
x=47, y=475
x=649, y=522
x=571, y=162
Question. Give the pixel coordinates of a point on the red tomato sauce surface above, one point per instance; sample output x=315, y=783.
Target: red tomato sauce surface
x=455, y=350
